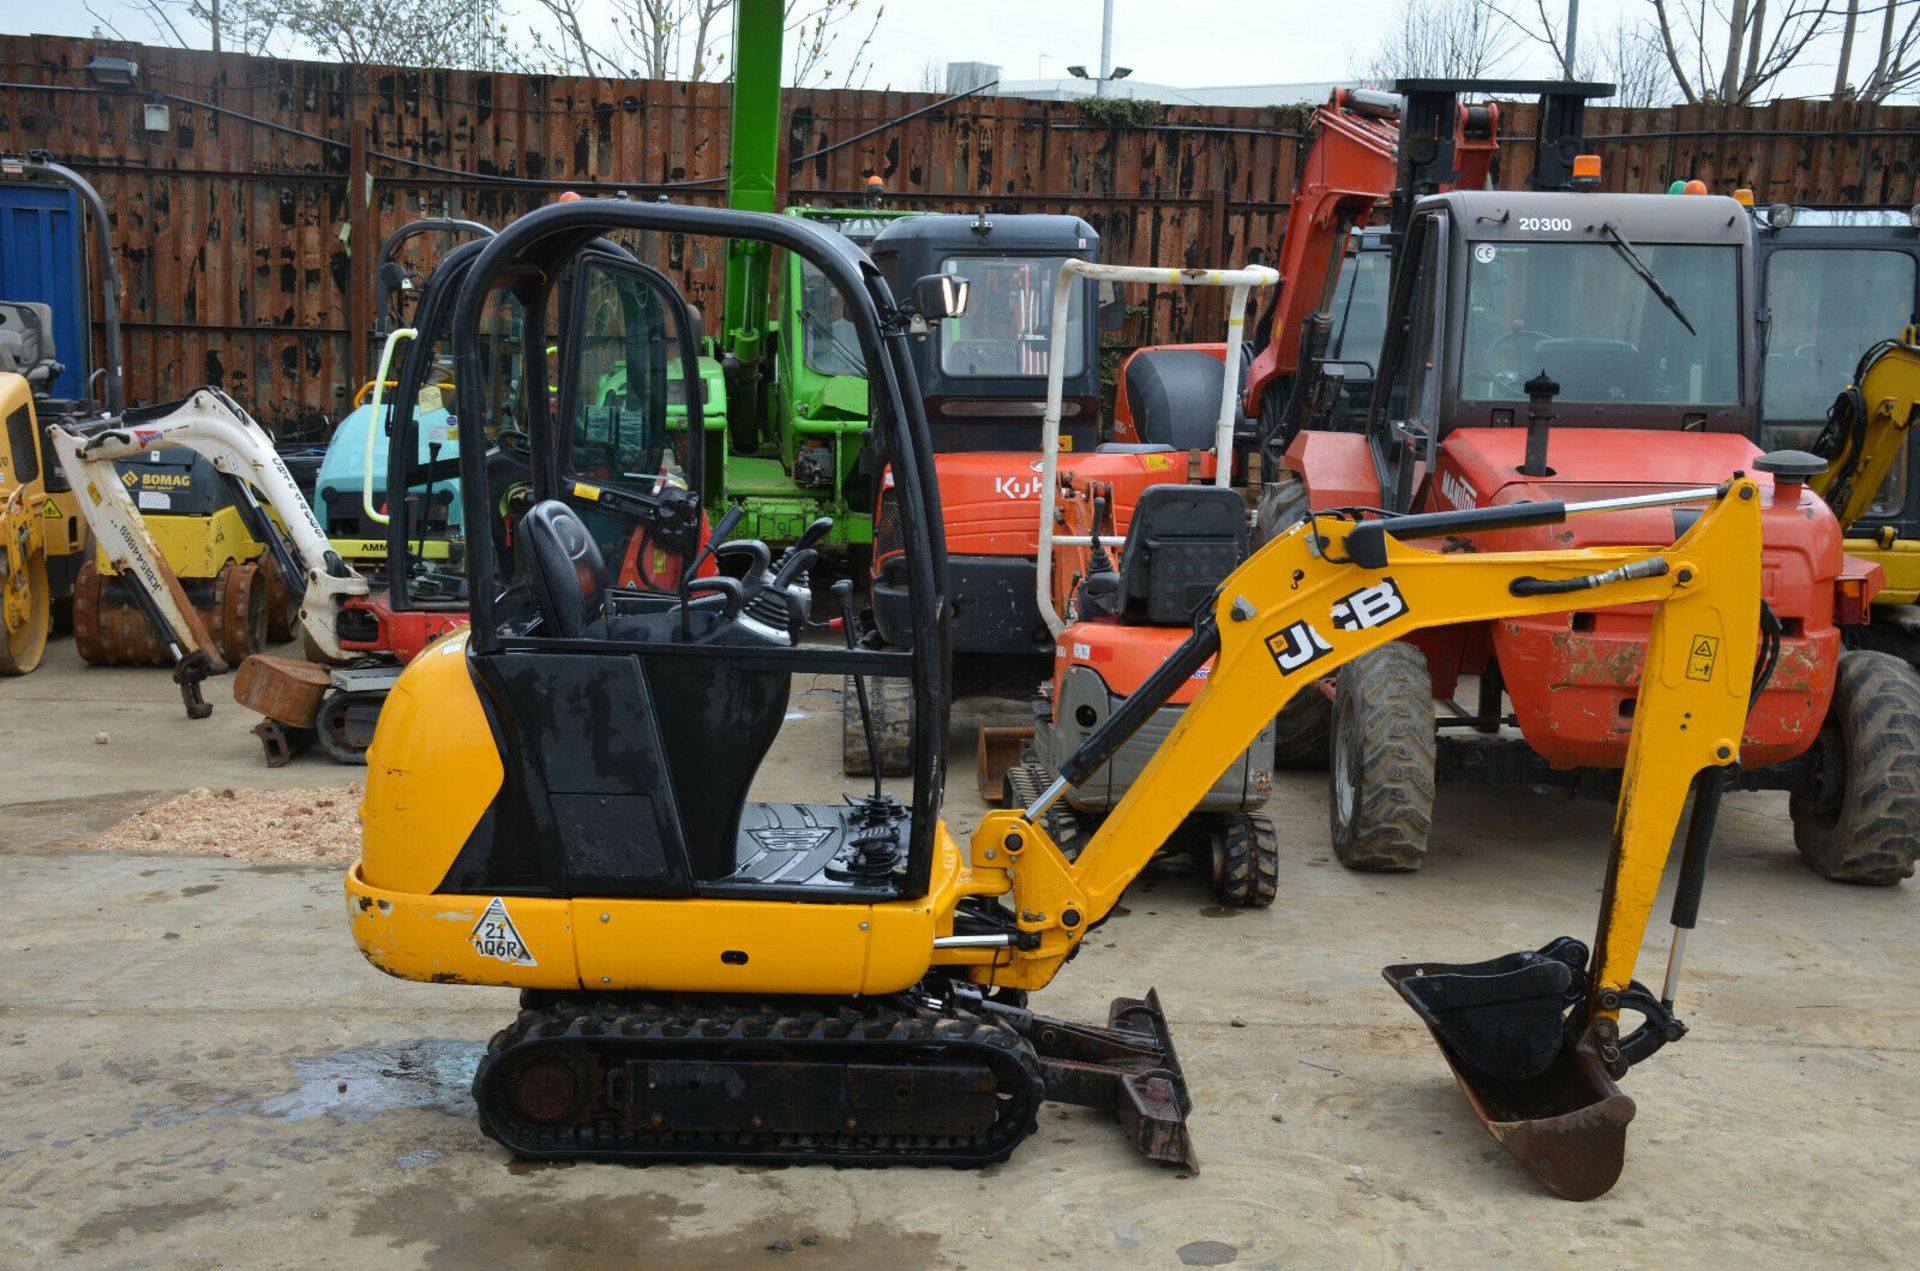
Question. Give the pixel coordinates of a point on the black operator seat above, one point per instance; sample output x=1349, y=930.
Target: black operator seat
x=1182, y=542
x=1175, y=396
x=568, y=574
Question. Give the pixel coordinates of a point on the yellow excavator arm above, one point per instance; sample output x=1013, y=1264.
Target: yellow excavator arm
x=1533, y=1037
x=1867, y=427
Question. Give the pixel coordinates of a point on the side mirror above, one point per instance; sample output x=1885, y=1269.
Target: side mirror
x=1113, y=314
x=938, y=296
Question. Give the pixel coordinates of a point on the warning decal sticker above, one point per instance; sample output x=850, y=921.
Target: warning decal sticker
x=495, y=936
x=50, y=510
x=1700, y=657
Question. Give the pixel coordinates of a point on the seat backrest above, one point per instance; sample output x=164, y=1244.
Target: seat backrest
x=30, y=351
x=568, y=573
x=1183, y=540
x=1592, y=370
x=1175, y=397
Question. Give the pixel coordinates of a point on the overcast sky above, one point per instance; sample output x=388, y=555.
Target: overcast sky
x=1176, y=42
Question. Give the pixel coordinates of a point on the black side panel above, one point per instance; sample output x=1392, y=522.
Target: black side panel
x=25, y=446
x=587, y=800
x=724, y=717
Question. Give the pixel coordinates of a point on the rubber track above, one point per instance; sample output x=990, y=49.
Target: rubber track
x=1386, y=698
x=1251, y=877
x=1870, y=838
x=833, y=1030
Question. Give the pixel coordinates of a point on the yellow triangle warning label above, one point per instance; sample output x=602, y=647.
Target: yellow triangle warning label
x=50, y=510
x=1700, y=657
x=495, y=936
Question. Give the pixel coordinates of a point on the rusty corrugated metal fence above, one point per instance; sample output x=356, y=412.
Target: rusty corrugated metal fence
x=239, y=226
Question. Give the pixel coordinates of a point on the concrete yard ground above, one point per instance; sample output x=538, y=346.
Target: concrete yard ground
x=198, y=1069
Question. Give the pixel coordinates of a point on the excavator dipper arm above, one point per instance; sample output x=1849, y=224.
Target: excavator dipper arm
x=1332, y=590
x=1867, y=426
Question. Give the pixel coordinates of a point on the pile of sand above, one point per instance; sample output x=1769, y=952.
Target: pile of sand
x=320, y=825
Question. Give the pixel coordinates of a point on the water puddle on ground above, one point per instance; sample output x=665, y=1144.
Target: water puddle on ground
x=354, y=1085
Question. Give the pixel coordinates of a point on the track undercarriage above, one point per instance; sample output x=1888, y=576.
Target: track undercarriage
x=944, y=1076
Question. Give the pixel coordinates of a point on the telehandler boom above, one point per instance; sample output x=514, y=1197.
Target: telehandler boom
x=559, y=799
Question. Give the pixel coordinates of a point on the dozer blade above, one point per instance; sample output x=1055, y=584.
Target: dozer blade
x=996, y=750
x=1545, y=1097
x=1129, y=1066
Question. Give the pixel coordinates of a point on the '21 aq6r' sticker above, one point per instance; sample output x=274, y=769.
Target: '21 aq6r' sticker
x=496, y=937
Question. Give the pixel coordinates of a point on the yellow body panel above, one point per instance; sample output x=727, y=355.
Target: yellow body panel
x=1900, y=563
x=432, y=771
x=683, y=945
x=196, y=547
x=375, y=549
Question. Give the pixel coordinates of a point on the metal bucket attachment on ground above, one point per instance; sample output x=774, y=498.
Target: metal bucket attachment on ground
x=1545, y=1098
x=997, y=750
x=1128, y=1066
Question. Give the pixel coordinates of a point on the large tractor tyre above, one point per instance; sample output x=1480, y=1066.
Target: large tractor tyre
x=1303, y=729
x=1381, y=780
x=1245, y=870
x=1861, y=821
x=240, y=606
x=25, y=614
x=890, y=700
x=1282, y=505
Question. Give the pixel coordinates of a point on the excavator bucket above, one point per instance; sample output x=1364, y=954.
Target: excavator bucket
x=1544, y=1096
x=997, y=750
x=1128, y=1067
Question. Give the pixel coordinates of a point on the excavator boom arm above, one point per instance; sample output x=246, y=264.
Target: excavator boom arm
x=1867, y=425
x=1304, y=605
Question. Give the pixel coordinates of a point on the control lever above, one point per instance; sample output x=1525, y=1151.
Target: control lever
x=843, y=593
x=781, y=593
x=719, y=536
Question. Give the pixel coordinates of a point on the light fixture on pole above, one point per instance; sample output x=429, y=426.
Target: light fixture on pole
x=114, y=72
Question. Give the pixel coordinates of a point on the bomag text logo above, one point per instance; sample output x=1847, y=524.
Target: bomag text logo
x=156, y=480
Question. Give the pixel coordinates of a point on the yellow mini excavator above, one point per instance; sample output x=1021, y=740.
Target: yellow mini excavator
x=560, y=800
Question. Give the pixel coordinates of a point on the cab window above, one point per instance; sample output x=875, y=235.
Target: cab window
x=1004, y=332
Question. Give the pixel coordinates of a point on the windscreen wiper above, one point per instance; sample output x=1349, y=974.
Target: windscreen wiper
x=1625, y=249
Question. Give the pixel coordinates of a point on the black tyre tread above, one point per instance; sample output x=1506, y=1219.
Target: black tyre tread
x=1870, y=838
x=1249, y=876
x=891, y=702
x=1383, y=705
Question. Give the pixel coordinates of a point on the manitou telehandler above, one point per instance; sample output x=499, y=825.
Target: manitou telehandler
x=1591, y=345
x=559, y=798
